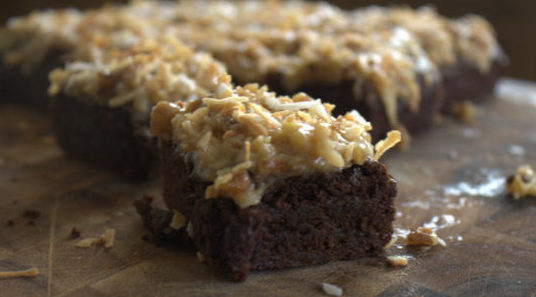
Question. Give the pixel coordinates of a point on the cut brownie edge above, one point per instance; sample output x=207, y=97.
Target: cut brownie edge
x=301, y=220
x=463, y=82
x=117, y=139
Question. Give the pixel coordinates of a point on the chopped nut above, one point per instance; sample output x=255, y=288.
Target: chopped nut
x=523, y=183
x=424, y=236
x=397, y=261
x=22, y=273
x=331, y=289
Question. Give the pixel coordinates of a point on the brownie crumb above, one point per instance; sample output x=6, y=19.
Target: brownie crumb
x=31, y=214
x=75, y=233
x=146, y=237
x=31, y=223
x=10, y=223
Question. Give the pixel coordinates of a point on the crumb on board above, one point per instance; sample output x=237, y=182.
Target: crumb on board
x=20, y=273
x=424, y=236
x=10, y=223
x=75, y=233
x=523, y=183
x=31, y=214
x=107, y=240
x=332, y=290
x=465, y=111
x=86, y=242
x=31, y=223
x=397, y=261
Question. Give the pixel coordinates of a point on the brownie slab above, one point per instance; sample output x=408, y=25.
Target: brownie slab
x=113, y=138
x=301, y=220
x=28, y=89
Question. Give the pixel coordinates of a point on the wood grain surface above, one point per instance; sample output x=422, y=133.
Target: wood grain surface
x=451, y=178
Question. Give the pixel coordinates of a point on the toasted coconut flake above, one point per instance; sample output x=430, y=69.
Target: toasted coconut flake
x=178, y=221
x=331, y=289
x=391, y=242
x=393, y=137
x=21, y=273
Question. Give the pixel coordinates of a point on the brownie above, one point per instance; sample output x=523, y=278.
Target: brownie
x=465, y=82
x=301, y=220
x=113, y=138
x=29, y=89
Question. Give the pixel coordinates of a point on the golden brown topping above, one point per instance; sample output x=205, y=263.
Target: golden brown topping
x=302, y=43
x=242, y=142
x=153, y=71
x=523, y=183
x=424, y=236
x=397, y=261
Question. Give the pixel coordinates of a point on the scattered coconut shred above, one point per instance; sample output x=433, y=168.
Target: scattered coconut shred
x=22, y=273
x=331, y=289
x=107, y=239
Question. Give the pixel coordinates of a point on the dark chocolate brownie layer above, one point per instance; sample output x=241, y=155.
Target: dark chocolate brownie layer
x=464, y=82
x=111, y=138
x=300, y=220
x=28, y=89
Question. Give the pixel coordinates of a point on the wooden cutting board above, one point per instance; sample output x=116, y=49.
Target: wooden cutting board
x=452, y=178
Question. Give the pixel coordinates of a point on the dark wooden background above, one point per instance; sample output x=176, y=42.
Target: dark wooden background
x=513, y=19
